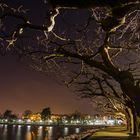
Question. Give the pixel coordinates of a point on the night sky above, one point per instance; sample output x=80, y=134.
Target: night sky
x=22, y=88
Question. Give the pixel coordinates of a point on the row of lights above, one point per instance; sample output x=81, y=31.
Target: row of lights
x=49, y=121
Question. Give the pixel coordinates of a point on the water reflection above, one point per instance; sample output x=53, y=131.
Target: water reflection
x=29, y=132
x=66, y=130
x=18, y=132
x=4, y=131
x=28, y=127
x=48, y=133
x=39, y=133
x=14, y=130
x=77, y=130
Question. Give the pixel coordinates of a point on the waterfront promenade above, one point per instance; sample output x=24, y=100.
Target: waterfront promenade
x=104, y=133
x=112, y=133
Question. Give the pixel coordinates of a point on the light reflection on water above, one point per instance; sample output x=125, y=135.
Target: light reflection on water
x=77, y=130
x=4, y=129
x=28, y=132
x=18, y=132
x=66, y=130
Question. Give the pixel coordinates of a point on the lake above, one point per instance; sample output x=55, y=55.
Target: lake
x=31, y=132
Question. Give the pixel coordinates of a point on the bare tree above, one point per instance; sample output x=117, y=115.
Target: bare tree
x=103, y=92
x=107, y=44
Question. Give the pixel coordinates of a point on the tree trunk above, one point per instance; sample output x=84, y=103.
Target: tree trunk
x=132, y=90
x=135, y=123
x=132, y=122
x=128, y=118
x=133, y=119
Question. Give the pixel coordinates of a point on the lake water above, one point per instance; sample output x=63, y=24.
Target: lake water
x=27, y=132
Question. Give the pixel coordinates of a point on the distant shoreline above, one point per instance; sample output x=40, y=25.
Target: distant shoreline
x=54, y=125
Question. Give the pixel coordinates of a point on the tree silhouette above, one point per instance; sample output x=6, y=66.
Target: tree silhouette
x=103, y=49
x=27, y=113
x=45, y=114
x=9, y=115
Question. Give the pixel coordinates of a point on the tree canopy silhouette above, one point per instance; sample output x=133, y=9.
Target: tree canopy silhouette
x=102, y=49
